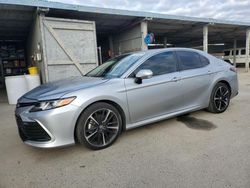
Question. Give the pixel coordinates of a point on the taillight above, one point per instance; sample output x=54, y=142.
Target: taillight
x=233, y=69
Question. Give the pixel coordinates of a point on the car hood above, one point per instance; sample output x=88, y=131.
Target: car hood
x=55, y=90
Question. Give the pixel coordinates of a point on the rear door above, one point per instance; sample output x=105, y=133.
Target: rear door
x=195, y=73
x=158, y=95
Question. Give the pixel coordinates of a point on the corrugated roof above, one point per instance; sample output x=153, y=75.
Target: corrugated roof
x=81, y=8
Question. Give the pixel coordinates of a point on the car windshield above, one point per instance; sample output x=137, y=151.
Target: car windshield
x=115, y=67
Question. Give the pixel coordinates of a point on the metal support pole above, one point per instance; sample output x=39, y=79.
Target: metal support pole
x=144, y=31
x=111, y=46
x=247, y=49
x=205, y=38
x=234, y=52
x=100, y=54
x=165, y=42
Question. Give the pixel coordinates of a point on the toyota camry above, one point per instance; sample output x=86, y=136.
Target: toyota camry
x=127, y=91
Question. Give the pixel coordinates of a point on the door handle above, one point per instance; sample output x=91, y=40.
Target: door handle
x=175, y=79
x=209, y=72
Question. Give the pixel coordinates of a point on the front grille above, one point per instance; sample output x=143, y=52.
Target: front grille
x=31, y=131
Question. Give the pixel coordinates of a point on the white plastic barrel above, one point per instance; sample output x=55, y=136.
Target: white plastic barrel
x=16, y=86
x=32, y=81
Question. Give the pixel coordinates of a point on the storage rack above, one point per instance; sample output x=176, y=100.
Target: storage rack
x=12, y=61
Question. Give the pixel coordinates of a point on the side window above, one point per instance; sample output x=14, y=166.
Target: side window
x=227, y=53
x=191, y=60
x=237, y=52
x=243, y=52
x=159, y=64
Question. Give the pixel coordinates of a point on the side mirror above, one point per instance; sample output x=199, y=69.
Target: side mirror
x=143, y=74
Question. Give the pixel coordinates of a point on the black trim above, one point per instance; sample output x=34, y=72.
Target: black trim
x=31, y=131
x=20, y=105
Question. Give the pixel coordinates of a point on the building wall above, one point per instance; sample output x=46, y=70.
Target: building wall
x=130, y=40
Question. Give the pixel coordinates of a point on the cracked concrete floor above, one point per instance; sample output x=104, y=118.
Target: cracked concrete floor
x=164, y=154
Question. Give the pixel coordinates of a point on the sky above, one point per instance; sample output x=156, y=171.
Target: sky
x=219, y=9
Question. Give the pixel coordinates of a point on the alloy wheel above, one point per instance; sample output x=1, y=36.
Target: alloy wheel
x=221, y=98
x=101, y=127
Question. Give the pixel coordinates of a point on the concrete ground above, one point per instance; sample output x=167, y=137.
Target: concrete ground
x=180, y=152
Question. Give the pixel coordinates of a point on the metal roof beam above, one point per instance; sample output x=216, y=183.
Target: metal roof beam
x=17, y=15
x=98, y=10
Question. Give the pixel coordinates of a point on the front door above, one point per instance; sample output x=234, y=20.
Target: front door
x=158, y=95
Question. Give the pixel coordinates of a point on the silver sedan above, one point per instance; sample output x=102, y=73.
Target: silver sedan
x=127, y=91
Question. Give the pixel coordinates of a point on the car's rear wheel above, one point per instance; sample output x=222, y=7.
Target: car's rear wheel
x=99, y=126
x=220, y=98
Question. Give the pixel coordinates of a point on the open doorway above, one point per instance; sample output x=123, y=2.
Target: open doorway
x=16, y=22
x=12, y=62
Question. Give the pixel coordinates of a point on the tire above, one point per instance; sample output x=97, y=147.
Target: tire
x=220, y=98
x=99, y=126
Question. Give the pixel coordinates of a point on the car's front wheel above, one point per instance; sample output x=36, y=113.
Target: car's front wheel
x=99, y=126
x=220, y=98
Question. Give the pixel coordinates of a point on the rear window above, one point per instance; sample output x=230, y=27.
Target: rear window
x=237, y=52
x=191, y=60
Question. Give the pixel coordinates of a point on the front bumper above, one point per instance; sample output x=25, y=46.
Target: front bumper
x=234, y=85
x=47, y=129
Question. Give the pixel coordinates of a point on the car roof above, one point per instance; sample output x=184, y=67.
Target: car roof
x=153, y=51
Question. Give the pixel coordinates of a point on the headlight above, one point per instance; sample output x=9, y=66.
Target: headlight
x=47, y=105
